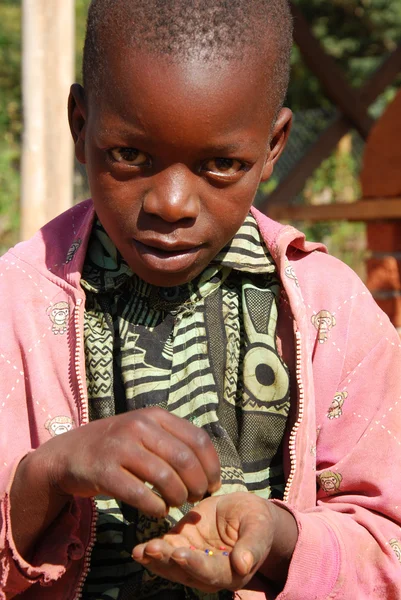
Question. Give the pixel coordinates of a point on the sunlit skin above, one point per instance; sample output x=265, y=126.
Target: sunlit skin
x=175, y=152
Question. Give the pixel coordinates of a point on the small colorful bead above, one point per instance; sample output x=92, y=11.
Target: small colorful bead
x=192, y=548
x=223, y=548
x=207, y=551
x=211, y=553
x=225, y=553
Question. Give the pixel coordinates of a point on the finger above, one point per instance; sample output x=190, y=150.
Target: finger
x=183, y=462
x=156, y=556
x=123, y=485
x=151, y=467
x=199, y=441
x=158, y=548
x=160, y=559
x=138, y=552
x=212, y=570
x=254, y=541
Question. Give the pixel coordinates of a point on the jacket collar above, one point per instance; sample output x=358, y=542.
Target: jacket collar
x=59, y=248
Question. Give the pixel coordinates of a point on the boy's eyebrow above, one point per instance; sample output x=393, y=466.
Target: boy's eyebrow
x=213, y=148
x=228, y=147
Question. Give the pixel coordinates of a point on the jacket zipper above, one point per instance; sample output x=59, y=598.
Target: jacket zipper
x=83, y=406
x=294, y=432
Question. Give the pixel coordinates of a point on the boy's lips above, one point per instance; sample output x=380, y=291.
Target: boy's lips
x=167, y=257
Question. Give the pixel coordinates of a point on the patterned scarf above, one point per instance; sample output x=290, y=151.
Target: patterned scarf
x=205, y=351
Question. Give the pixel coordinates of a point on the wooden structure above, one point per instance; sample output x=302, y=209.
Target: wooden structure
x=353, y=105
x=380, y=206
x=48, y=71
x=381, y=185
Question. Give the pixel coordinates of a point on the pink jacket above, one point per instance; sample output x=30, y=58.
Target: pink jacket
x=345, y=431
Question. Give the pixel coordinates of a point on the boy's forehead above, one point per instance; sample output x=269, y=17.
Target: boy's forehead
x=122, y=65
x=211, y=30
x=236, y=88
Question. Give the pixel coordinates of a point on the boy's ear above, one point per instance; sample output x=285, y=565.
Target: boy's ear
x=278, y=141
x=77, y=119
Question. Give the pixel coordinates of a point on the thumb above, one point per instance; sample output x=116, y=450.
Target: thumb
x=253, y=545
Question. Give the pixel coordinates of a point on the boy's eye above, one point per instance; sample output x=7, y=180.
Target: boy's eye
x=129, y=156
x=223, y=166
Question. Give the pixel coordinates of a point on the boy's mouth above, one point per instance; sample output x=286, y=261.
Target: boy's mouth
x=168, y=257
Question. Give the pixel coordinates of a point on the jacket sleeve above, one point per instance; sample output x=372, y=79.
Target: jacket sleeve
x=349, y=544
x=28, y=388
x=54, y=553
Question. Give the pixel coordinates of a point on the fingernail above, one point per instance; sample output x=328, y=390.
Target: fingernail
x=215, y=487
x=156, y=555
x=143, y=561
x=180, y=560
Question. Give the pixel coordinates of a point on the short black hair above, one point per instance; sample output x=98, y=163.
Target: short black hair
x=203, y=29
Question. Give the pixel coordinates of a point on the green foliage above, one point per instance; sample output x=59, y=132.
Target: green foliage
x=343, y=239
x=81, y=10
x=358, y=34
x=336, y=180
x=10, y=120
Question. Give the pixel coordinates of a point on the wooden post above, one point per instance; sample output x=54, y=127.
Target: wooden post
x=47, y=73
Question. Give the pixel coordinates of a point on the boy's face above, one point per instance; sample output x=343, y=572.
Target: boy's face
x=174, y=154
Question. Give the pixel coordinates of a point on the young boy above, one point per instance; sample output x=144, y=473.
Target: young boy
x=268, y=379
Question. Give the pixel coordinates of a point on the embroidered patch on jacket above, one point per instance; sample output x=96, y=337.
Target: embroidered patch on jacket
x=336, y=407
x=59, y=425
x=323, y=321
x=330, y=482
x=396, y=546
x=58, y=315
x=72, y=250
x=290, y=273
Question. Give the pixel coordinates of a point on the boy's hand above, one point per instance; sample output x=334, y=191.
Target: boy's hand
x=116, y=456
x=241, y=524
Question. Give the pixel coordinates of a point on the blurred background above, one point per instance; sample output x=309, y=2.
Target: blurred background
x=346, y=67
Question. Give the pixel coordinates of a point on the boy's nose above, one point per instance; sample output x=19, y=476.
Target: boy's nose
x=172, y=196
